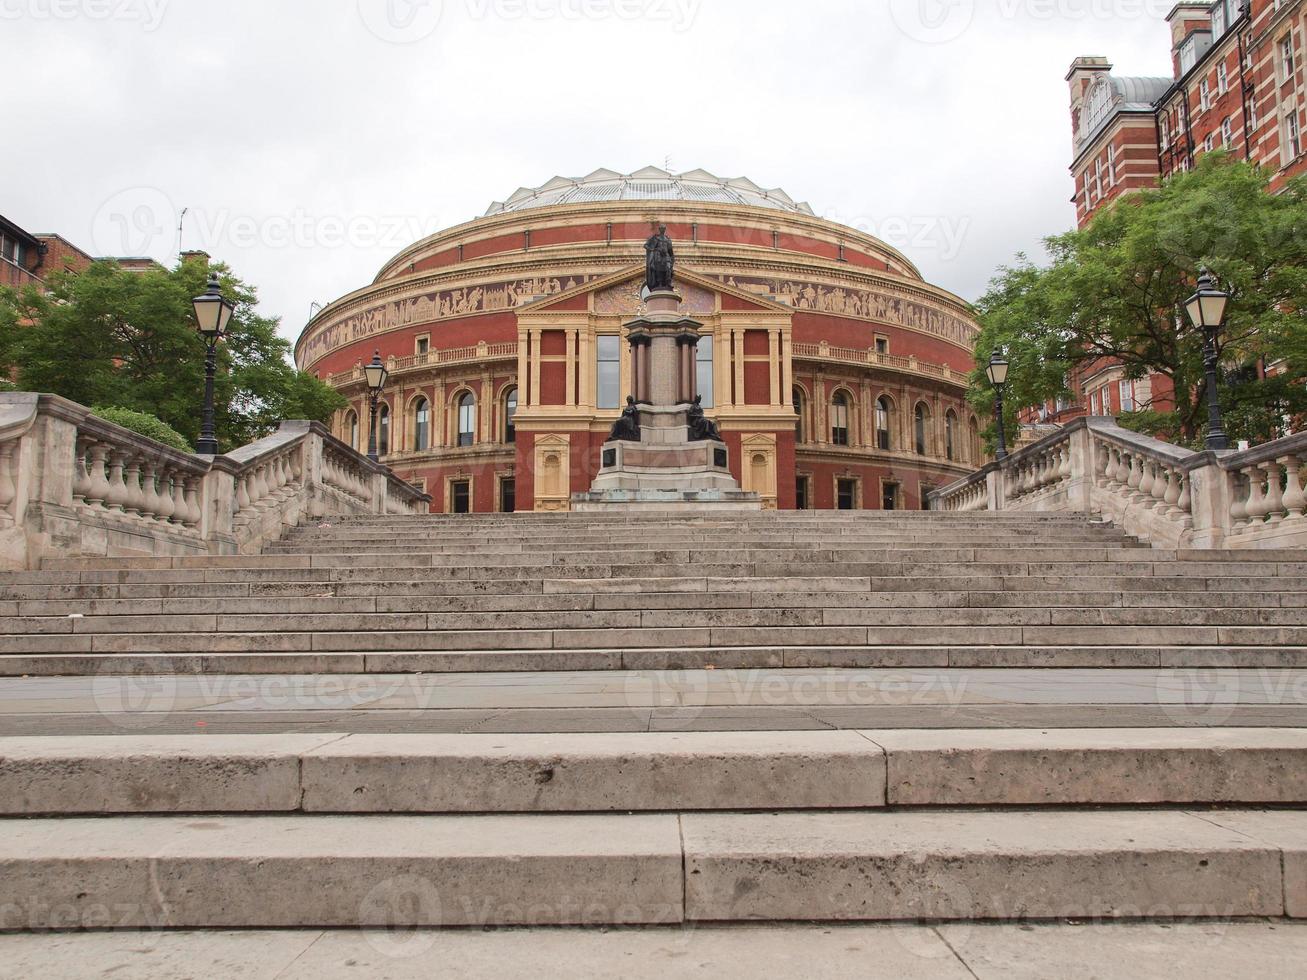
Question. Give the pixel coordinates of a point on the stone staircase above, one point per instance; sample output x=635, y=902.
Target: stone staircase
x=596, y=592
x=345, y=829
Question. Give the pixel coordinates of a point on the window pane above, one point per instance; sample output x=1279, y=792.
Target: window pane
x=703, y=370
x=467, y=420
x=798, y=410
x=882, y=424
x=422, y=426
x=610, y=381
x=461, y=497
x=383, y=431
x=510, y=412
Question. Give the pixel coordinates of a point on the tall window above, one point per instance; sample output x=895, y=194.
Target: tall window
x=920, y=418
x=889, y=496
x=467, y=419
x=950, y=434
x=802, y=499
x=383, y=430
x=460, y=497
x=846, y=494
x=1292, y=135
x=839, y=419
x=1127, y=390
x=703, y=370
x=352, y=429
x=798, y=410
x=510, y=413
x=422, y=425
x=882, y=424
x=609, y=351
x=973, y=442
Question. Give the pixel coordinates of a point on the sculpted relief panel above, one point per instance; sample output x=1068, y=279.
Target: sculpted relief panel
x=624, y=300
x=435, y=306
x=859, y=303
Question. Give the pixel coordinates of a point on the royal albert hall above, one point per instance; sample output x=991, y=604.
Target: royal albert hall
x=836, y=373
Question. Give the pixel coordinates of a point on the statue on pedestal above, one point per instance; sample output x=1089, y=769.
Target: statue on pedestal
x=702, y=428
x=660, y=261
x=627, y=428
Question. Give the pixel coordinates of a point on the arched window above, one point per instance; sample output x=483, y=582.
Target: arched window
x=883, y=440
x=467, y=419
x=510, y=412
x=352, y=429
x=950, y=435
x=421, y=425
x=973, y=441
x=798, y=410
x=383, y=429
x=920, y=420
x=839, y=419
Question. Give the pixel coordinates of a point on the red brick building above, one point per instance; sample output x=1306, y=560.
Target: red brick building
x=1237, y=84
x=837, y=374
x=29, y=259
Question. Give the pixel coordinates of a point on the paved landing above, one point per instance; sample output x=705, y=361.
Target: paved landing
x=656, y=700
x=1269, y=950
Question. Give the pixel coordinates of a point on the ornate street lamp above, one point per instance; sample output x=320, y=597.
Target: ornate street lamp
x=212, y=315
x=997, y=371
x=1206, y=310
x=376, y=375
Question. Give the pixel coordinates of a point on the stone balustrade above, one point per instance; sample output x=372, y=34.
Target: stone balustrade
x=73, y=484
x=1169, y=496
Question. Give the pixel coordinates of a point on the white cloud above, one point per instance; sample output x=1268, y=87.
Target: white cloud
x=310, y=148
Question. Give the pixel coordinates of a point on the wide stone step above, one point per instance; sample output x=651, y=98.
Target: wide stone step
x=720, y=600
x=655, y=620
x=209, y=638
x=210, y=660
x=303, y=871
x=581, y=773
x=816, y=951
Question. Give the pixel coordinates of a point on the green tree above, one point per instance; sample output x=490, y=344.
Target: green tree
x=1115, y=290
x=109, y=336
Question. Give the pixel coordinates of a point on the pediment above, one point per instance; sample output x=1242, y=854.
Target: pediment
x=619, y=294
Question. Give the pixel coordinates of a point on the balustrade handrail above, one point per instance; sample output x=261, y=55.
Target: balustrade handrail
x=74, y=484
x=1168, y=495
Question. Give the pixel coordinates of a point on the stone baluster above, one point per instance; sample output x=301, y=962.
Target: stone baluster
x=1238, y=503
x=1256, y=496
x=1295, y=499
x=1136, y=477
x=178, y=498
x=194, y=513
x=132, y=482
x=81, y=473
x=1186, y=502
x=149, y=506
x=97, y=492
x=1274, y=492
x=118, y=496
x=1146, y=481
x=8, y=491
x=1171, y=492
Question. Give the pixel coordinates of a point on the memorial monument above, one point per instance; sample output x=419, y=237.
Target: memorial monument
x=664, y=452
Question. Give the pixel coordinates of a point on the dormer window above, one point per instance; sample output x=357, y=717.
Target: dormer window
x=1218, y=19
x=1188, y=54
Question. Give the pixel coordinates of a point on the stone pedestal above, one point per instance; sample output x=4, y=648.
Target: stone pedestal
x=664, y=470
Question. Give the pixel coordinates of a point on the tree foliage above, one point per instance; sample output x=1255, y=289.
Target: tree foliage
x=110, y=336
x=1115, y=290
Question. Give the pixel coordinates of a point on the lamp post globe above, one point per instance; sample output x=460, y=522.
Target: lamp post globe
x=997, y=371
x=376, y=375
x=1206, y=309
x=213, y=313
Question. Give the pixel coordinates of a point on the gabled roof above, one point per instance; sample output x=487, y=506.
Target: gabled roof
x=648, y=184
x=761, y=303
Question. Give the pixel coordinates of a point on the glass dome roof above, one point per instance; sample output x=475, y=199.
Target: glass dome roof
x=649, y=184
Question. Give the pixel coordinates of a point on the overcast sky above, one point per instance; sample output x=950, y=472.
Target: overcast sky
x=313, y=139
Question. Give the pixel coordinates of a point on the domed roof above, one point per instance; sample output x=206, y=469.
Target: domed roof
x=649, y=184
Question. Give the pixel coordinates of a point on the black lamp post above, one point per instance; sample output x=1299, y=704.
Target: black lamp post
x=997, y=371
x=1206, y=310
x=376, y=374
x=212, y=315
